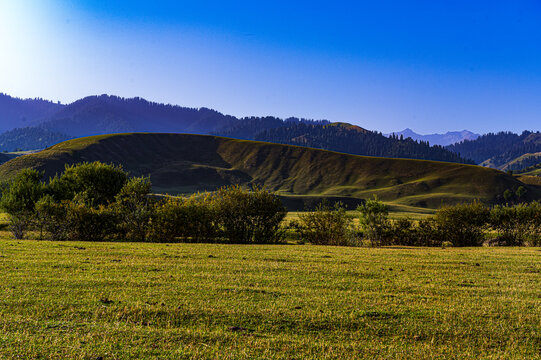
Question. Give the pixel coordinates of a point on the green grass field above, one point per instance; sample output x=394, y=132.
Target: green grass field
x=197, y=301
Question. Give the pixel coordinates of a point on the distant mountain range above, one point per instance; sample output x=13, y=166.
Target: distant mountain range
x=448, y=138
x=28, y=128
x=30, y=124
x=503, y=150
x=18, y=113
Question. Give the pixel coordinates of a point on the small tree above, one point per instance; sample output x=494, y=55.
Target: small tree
x=507, y=195
x=374, y=221
x=403, y=232
x=506, y=220
x=534, y=221
x=90, y=224
x=428, y=232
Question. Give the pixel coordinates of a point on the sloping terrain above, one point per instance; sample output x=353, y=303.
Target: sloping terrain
x=30, y=138
x=536, y=171
x=18, y=113
x=522, y=162
x=106, y=114
x=180, y=163
x=353, y=139
x=497, y=150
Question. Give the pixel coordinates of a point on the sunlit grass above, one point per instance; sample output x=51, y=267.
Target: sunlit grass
x=141, y=300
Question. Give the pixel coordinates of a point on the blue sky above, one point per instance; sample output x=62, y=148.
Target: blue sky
x=385, y=65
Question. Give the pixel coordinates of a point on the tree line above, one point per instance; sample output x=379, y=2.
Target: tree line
x=469, y=224
x=348, y=139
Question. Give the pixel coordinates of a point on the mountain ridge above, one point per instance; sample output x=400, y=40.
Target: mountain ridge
x=106, y=114
x=448, y=138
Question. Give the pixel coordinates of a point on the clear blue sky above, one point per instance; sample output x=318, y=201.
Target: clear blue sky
x=432, y=66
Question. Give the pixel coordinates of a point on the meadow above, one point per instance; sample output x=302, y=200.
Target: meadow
x=107, y=300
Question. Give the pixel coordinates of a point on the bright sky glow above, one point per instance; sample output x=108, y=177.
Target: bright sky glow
x=432, y=66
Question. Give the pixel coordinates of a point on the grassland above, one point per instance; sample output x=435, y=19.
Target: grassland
x=204, y=301
x=180, y=163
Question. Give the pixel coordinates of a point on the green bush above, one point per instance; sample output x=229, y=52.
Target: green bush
x=402, y=232
x=327, y=226
x=19, y=197
x=134, y=208
x=534, y=217
x=249, y=216
x=511, y=223
x=374, y=221
x=96, y=183
x=203, y=220
x=407, y=232
x=52, y=218
x=427, y=233
x=190, y=219
x=86, y=223
x=464, y=224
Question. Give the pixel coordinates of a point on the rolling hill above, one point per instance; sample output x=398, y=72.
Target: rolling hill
x=180, y=163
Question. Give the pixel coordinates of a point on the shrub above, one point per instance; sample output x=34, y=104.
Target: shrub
x=19, y=197
x=402, y=232
x=52, y=217
x=203, y=219
x=249, y=216
x=511, y=223
x=531, y=215
x=374, y=221
x=192, y=219
x=95, y=182
x=133, y=207
x=408, y=233
x=85, y=223
x=19, y=224
x=327, y=226
x=428, y=233
x=462, y=225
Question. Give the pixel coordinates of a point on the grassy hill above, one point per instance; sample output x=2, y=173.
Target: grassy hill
x=180, y=163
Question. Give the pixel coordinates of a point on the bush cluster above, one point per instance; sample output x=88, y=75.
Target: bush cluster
x=96, y=202
x=469, y=224
x=326, y=225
